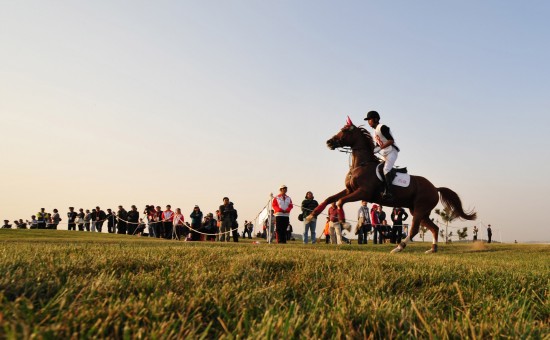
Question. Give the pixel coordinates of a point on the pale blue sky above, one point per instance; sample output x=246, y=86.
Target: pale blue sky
x=137, y=102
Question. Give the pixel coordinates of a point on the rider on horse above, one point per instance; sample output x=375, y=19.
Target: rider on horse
x=385, y=146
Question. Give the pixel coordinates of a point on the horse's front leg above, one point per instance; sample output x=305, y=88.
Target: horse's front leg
x=354, y=196
x=326, y=202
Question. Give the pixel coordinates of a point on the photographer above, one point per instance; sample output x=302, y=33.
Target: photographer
x=364, y=225
x=228, y=217
x=210, y=227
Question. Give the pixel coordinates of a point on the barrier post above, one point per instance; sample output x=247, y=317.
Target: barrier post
x=269, y=219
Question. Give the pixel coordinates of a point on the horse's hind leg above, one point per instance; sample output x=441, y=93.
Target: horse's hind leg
x=435, y=232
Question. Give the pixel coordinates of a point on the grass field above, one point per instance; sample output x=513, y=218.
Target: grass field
x=59, y=284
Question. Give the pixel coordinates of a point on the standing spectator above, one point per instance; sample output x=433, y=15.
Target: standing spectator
x=87, y=219
x=489, y=233
x=210, y=227
x=308, y=205
x=33, y=223
x=178, y=226
x=334, y=224
x=326, y=231
x=250, y=229
x=111, y=221
x=476, y=230
x=196, y=221
x=41, y=217
x=122, y=217
x=80, y=219
x=98, y=216
x=248, y=226
x=133, y=220
x=55, y=218
x=282, y=205
x=6, y=225
x=246, y=229
x=398, y=215
x=375, y=220
x=157, y=219
x=167, y=222
x=228, y=217
x=364, y=225
x=150, y=213
x=71, y=218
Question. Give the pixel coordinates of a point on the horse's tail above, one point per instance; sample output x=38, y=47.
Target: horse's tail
x=451, y=201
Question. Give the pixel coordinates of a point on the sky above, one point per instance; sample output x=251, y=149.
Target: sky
x=185, y=102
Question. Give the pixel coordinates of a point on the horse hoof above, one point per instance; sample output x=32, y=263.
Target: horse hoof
x=432, y=251
x=396, y=250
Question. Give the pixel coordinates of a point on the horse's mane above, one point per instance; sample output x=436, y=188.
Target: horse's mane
x=367, y=135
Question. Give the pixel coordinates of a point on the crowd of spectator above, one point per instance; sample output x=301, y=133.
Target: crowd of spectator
x=156, y=222
x=223, y=226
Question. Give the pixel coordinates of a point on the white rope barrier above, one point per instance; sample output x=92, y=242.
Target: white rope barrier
x=79, y=221
x=186, y=224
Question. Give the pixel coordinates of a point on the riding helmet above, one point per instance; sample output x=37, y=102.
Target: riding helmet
x=372, y=114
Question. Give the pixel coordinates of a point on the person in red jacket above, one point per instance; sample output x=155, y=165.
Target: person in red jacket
x=282, y=205
x=375, y=220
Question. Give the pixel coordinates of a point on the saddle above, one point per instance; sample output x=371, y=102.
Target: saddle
x=400, y=176
x=394, y=171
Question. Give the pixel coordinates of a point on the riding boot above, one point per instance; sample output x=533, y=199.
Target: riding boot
x=388, y=179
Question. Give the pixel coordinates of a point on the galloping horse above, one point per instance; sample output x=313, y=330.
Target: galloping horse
x=421, y=196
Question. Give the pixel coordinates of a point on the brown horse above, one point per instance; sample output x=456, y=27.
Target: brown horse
x=421, y=196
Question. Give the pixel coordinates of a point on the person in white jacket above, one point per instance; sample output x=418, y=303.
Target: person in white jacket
x=282, y=205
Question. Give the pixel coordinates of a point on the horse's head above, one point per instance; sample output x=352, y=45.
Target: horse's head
x=347, y=137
